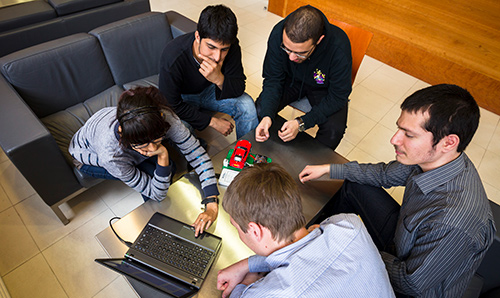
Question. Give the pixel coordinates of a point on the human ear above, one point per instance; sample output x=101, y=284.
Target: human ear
x=320, y=39
x=255, y=231
x=450, y=142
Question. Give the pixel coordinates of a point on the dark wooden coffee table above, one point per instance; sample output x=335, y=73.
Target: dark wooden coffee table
x=184, y=197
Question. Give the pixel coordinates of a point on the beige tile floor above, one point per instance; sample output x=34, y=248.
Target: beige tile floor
x=39, y=257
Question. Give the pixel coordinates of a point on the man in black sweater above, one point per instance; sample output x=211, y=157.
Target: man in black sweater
x=306, y=57
x=203, y=69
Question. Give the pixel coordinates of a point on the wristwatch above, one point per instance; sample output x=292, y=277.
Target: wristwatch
x=301, y=124
x=209, y=200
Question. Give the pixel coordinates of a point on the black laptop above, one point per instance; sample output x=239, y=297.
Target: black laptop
x=168, y=257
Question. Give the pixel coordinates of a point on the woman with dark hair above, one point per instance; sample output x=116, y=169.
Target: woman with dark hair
x=125, y=143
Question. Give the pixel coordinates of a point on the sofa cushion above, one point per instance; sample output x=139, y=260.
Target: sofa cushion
x=58, y=74
x=64, y=124
x=24, y=14
x=92, y=18
x=64, y=7
x=24, y=37
x=151, y=33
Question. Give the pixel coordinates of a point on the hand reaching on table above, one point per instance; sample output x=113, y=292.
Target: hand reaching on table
x=313, y=172
x=289, y=130
x=206, y=219
x=262, y=130
x=231, y=276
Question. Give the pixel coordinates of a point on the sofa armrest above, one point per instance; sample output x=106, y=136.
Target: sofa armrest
x=488, y=269
x=32, y=149
x=180, y=24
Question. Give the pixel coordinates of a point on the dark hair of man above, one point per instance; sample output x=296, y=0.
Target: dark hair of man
x=218, y=23
x=303, y=24
x=139, y=114
x=267, y=195
x=451, y=109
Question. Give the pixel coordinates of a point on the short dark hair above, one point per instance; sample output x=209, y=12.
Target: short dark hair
x=305, y=23
x=140, y=115
x=218, y=23
x=267, y=195
x=451, y=109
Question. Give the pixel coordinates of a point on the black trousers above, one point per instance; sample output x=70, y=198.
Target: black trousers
x=329, y=133
x=378, y=210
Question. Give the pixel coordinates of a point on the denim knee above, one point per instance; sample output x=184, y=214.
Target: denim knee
x=246, y=104
x=246, y=115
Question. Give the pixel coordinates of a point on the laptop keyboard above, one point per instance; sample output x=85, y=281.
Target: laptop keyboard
x=174, y=251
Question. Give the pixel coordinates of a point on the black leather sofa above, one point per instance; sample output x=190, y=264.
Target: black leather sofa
x=30, y=23
x=487, y=277
x=48, y=91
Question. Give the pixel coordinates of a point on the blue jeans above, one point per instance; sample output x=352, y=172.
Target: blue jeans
x=148, y=166
x=242, y=108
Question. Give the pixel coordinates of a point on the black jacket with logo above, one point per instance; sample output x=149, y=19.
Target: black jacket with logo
x=328, y=68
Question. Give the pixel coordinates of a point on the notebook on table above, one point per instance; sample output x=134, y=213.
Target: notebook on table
x=167, y=256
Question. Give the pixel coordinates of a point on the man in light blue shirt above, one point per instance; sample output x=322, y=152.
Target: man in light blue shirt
x=338, y=259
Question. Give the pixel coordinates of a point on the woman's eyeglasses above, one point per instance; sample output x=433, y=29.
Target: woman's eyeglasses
x=142, y=146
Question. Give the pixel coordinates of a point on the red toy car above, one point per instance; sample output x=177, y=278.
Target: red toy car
x=240, y=154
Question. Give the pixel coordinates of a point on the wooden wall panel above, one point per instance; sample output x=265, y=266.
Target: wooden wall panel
x=446, y=41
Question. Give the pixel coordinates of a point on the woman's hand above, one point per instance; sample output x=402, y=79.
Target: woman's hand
x=205, y=219
x=158, y=150
x=162, y=153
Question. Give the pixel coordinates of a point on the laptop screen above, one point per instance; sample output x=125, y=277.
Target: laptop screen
x=142, y=273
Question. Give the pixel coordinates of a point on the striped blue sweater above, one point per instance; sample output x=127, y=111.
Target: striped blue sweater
x=97, y=144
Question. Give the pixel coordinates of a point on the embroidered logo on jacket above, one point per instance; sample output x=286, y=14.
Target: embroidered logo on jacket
x=319, y=77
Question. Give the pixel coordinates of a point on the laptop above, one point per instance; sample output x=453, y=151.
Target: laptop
x=167, y=256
